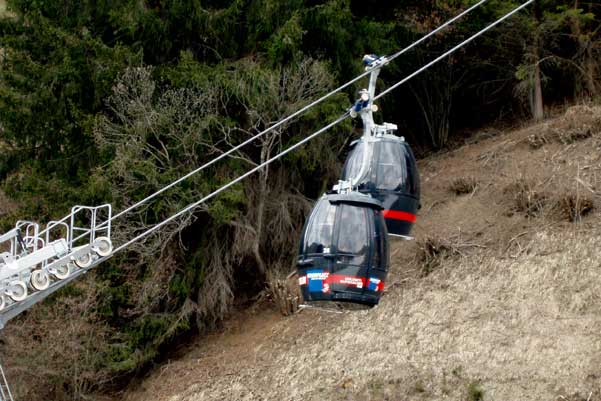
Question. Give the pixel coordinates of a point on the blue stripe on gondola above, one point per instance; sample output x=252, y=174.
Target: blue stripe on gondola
x=315, y=278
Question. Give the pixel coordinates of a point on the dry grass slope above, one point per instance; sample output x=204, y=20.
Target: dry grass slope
x=524, y=328
x=497, y=299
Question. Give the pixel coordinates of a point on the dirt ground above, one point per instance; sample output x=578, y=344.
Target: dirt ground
x=496, y=299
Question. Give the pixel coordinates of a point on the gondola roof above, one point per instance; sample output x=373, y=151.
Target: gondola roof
x=356, y=199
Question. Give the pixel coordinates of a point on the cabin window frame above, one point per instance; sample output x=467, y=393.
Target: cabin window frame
x=354, y=157
x=304, y=245
x=371, y=238
x=367, y=236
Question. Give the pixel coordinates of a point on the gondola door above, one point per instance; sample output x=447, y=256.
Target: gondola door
x=338, y=246
x=352, y=252
x=317, y=245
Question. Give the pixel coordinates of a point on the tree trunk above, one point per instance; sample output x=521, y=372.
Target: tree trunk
x=590, y=66
x=592, y=63
x=537, y=99
x=261, y=199
x=537, y=88
x=260, y=215
x=585, y=46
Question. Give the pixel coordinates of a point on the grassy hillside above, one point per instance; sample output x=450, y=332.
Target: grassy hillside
x=496, y=299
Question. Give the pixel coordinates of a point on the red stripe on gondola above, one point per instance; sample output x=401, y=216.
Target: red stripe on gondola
x=353, y=281
x=397, y=215
x=358, y=282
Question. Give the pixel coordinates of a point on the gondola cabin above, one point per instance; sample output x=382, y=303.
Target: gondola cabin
x=343, y=253
x=391, y=177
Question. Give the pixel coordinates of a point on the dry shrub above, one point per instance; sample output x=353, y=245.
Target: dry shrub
x=571, y=207
x=573, y=135
x=432, y=251
x=475, y=392
x=43, y=349
x=563, y=205
x=216, y=294
x=284, y=291
x=578, y=123
x=538, y=140
x=463, y=185
x=525, y=198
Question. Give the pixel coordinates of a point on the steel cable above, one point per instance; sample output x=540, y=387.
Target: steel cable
x=316, y=133
x=454, y=49
x=233, y=182
x=292, y=116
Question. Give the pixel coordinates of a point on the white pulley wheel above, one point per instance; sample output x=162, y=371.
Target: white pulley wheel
x=2, y=302
x=61, y=272
x=84, y=260
x=103, y=246
x=39, y=280
x=18, y=291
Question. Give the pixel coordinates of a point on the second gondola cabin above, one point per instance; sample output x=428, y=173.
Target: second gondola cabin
x=343, y=253
x=388, y=172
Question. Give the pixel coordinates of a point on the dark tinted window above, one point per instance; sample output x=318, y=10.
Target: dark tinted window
x=396, y=168
x=380, y=255
x=391, y=172
x=352, y=167
x=318, y=235
x=353, y=238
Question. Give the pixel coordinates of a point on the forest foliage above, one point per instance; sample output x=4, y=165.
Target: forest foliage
x=108, y=101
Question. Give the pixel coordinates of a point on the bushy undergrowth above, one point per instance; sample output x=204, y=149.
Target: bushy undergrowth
x=562, y=204
x=184, y=278
x=463, y=185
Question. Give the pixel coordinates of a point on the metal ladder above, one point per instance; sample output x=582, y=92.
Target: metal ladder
x=5, y=394
x=40, y=262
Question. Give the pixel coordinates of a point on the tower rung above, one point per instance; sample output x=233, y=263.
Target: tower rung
x=5, y=394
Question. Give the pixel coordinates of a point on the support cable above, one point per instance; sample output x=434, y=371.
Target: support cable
x=290, y=117
x=316, y=133
x=233, y=182
x=454, y=49
x=440, y=28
